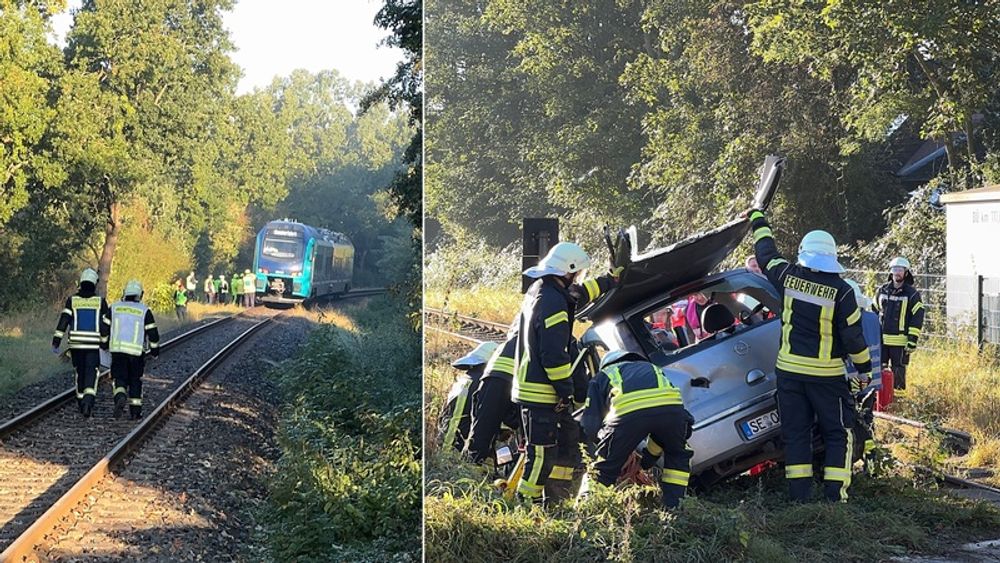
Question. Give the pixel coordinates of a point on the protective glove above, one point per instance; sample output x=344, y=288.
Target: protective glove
x=616, y=272
x=690, y=425
x=564, y=403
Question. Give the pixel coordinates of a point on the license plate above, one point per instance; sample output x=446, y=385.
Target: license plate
x=757, y=425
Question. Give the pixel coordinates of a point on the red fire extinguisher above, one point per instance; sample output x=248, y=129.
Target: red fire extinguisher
x=885, y=394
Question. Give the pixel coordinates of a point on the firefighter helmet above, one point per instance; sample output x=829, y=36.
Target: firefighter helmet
x=863, y=301
x=133, y=289
x=89, y=275
x=620, y=355
x=479, y=355
x=818, y=251
x=246, y=271
x=900, y=262
x=563, y=259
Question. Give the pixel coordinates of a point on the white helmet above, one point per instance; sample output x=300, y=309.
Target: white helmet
x=617, y=356
x=133, y=289
x=863, y=301
x=900, y=262
x=89, y=275
x=479, y=355
x=818, y=251
x=562, y=259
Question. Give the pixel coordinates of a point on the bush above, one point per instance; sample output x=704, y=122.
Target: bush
x=347, y=486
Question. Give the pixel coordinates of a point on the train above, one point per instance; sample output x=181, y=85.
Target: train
x=294, y=262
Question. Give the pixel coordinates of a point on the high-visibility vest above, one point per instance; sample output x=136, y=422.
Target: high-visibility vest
x=85, y=333
x=624, y=402
x=128, y=330
x=180, y=297
x=249, y=283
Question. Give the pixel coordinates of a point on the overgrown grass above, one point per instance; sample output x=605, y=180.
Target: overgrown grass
x=957, y=386
x=26, y=338
x=748, y=519
x=491, y=304
x=348, y=484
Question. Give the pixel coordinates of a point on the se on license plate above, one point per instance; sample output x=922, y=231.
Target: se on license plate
x=756, y=425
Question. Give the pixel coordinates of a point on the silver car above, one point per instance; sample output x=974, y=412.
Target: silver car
x=725, y=369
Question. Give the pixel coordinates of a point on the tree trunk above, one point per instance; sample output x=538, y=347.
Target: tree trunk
x=111, y=231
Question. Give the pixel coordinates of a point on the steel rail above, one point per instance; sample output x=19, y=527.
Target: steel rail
x=25, y=544
x=10, y=425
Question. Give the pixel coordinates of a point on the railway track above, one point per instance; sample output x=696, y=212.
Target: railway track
x=51, y=456
x=464, y=327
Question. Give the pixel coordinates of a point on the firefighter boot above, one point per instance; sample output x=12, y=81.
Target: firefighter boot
x=87, y=406
x=135, y=409
x=120, y=401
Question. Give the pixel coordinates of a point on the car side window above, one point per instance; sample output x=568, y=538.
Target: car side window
x=709, y=314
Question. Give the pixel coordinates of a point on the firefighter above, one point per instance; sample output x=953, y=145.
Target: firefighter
x=81, y=316
x=543, y=385
x=456, y=418
x=132, y=327
x=223, y=290
x=902, y=316
x=629, y=400
x=820, y=325
x=249, y=288
x=491, y=402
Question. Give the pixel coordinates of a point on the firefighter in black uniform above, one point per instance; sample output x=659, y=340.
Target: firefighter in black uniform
x=542, y=385
x=820, y=325
x=81, y=317
x=902, y=317
x=132, y=329
x=628, y=401
x=491, y=404
x=456, y=418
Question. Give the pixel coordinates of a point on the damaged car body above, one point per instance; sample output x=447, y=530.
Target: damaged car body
x=721, y=354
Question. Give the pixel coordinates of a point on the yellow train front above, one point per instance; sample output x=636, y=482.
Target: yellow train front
x=294, y=262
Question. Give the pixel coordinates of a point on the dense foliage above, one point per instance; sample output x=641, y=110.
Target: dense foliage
x=348, y=485
x=132, y=137
x=658, y=112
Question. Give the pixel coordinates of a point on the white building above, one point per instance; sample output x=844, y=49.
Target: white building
x=972, y=246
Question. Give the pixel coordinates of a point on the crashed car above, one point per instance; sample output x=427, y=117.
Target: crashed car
x=725, y=369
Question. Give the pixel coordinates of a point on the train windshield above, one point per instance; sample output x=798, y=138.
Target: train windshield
x=282, y=249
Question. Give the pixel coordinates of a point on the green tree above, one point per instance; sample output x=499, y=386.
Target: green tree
x=931, y=62
x=28, y=66
x=143, y=82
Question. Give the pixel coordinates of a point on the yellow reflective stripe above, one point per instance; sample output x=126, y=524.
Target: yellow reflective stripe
x=561, y=473
x=756, y=215
x=559, y=372
x=593, y=289
x=675, y=477
x=68, y=311
x=914, y=331
x=557, y=318
x=902, y=314
x=761, y=233
x=135, y=402
x=154, y=345
x=894, y=339
x=456, y=415
x=786, y=327
x=861, y=357
x=119, y=390
x=800, y=471
x=854, y=317
x=150, y=325
x=58, y=334
x=645, y=399
x=776, y=262
x=90, y=391
x=529, y=486
x=826, y=332
x=916, y=307
x=836, y=474
x=653, y=448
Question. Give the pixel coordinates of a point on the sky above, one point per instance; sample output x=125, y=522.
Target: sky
x=274, y=38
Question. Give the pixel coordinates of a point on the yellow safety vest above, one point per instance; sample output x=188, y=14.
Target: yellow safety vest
x=128, y=330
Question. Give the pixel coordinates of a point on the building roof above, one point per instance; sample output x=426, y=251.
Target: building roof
x=987, y=193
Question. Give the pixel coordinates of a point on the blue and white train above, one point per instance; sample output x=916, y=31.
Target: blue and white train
x=294, y=262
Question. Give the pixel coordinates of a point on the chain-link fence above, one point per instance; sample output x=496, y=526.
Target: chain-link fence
x=957, y=308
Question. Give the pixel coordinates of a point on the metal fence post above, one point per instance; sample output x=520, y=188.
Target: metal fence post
x=980, y=332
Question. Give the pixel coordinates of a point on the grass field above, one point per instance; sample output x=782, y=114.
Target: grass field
x=26, y=338
x=896, y=513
